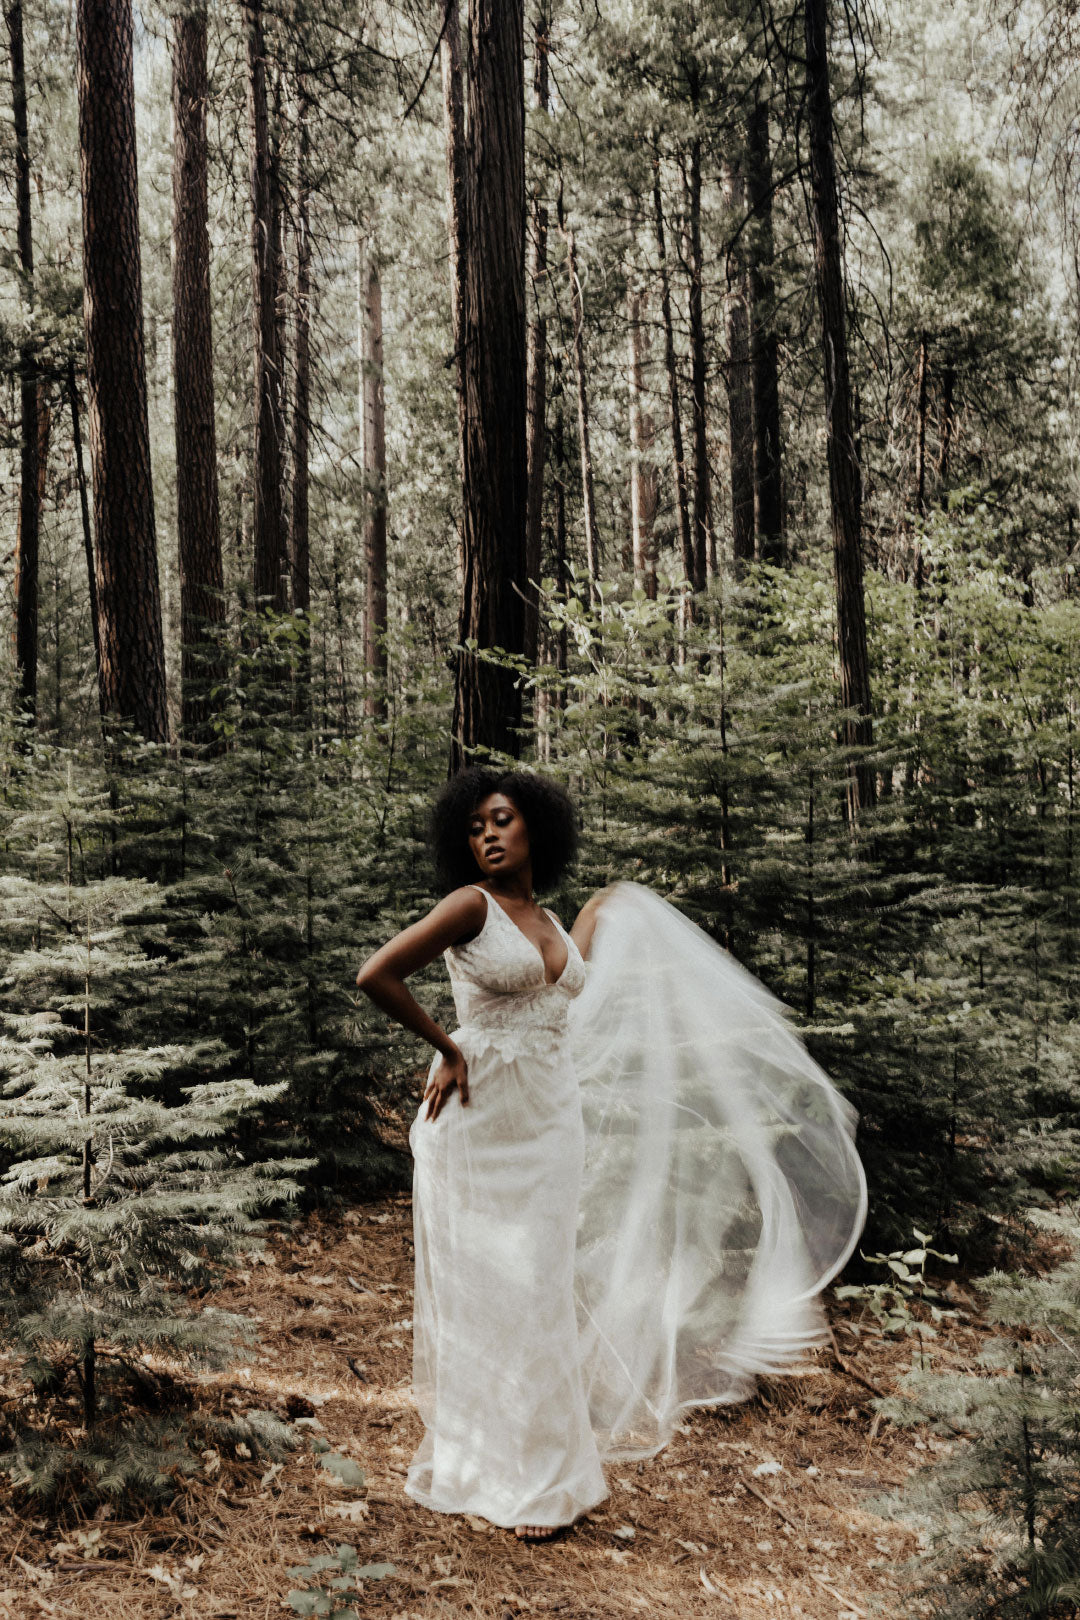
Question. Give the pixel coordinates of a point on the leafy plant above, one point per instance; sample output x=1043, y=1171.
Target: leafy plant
x=331, y=1580
x=890, y=1302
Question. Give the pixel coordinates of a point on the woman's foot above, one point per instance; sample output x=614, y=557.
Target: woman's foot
x=536, y=1532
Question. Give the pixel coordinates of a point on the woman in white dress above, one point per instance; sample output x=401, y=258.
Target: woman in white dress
x=627, y=1196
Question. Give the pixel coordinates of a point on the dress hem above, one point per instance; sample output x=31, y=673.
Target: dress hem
x=423, y=1500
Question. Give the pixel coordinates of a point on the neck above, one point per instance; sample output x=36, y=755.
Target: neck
x=515, y=885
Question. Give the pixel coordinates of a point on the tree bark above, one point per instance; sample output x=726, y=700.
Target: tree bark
x=269, y=539
x=299, y=517
x=487, y=700
x=562, y=574
x=29, y=520
x=704, y=533
x=948, y=420
x=920, y=428
x=457, y=195
x=588, y=486
x=764, y=365
x=84, y=513
x=202, y=585
x=686, y=539
x=740, y=406
x=132, y=666
x=375, y=498
x=844, y=481
x=643, y=481
x=536, y=367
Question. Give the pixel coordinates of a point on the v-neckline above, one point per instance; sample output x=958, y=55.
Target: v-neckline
x=551, y=983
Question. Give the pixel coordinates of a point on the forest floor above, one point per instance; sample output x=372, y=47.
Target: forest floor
x=763, y=1509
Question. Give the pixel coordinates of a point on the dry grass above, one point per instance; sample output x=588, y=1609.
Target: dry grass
x=693, y=1532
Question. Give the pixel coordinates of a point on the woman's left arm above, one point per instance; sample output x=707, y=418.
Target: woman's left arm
x=585, y=921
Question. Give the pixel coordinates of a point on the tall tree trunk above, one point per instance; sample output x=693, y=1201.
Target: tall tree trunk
x=588, y=486
x=558, y=525
x=269, y=539
x=202, y=585
x=375, y=499
x=686, y=539
x=643, y=482
x=132, y=668
x=844, y=481
x=764, y=366
x=740, y=406
x=457, y=195
x=29, y=522
x=487, y=699
x=536, y=364
x=920, y=427
x=299, y=521
x=84, y=513
x=922, y=407
x=704, y=532
x=948, y=420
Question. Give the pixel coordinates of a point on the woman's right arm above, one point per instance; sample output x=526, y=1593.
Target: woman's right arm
x=456, y=919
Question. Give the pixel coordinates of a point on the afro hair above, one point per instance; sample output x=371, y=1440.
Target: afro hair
x=546, y=806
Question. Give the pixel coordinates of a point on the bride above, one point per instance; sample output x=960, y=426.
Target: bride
x=631, y=1181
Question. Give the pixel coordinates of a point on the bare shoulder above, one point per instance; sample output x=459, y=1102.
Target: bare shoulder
x=457, y=918
x=465, y=908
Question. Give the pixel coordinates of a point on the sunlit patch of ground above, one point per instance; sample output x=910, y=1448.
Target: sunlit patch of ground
x=752, y=1511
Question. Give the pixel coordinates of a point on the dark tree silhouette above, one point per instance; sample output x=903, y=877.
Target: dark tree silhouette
x=132, y=662
x=487, y=703
x=202, y=601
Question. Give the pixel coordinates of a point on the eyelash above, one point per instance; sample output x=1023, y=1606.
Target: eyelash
x=504, y=821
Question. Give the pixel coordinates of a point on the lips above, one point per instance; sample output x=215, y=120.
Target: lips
x=493, y=854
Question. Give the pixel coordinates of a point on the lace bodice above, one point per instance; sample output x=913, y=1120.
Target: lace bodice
x=500, y=987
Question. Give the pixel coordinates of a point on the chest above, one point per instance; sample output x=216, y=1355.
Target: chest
x=502, y=959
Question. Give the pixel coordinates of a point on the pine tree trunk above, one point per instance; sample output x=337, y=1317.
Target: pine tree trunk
x=686, y=538
x=299, y=520
x=764, y=366
x=948, y=419
x=704, y=533
x=562, y=573
x=454, y=129
x=375, y=502
x=202, y=586
x=29, y=521
x=269, y=561
x=487, y=700
x=844, y=482
x=536, y=367
x=920, y=427
x=84, y=513
x=643, y=482
x=132, y=667
x=588, y=486
x=740, y=406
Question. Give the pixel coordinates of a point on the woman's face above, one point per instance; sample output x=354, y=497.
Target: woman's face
x=498, y=836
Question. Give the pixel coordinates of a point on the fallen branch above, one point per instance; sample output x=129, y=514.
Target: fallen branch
x=845, y=1603
x=769, y=1503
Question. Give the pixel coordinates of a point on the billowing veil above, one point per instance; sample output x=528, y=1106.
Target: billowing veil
x=722, y=1189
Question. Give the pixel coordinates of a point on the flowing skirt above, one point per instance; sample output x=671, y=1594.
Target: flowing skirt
x=497, y=1361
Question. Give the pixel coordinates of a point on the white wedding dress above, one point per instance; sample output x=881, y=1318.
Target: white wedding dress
x=635, y=1212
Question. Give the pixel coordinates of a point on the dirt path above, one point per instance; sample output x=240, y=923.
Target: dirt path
x=753, y=1511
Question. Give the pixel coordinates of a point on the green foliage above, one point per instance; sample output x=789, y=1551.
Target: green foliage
x=890, y=1301
x=328, y=1593
x=125, y=1181
x=1000, y=1514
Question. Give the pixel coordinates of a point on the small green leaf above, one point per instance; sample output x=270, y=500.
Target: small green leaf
x=376, y=1572
x=343, y=1468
